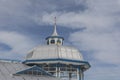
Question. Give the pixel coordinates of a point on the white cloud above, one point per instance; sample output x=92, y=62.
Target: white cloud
x=101, y=34
x=100, y=13
x=105, y=46
x=104, y=7
x=80, y=20
x=104, y=73
x=19, y=44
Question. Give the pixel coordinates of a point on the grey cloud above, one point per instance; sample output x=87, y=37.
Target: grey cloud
x=16, y=14
x=18, y=43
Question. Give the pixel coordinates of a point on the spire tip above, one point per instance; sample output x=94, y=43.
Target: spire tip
x=55, y=30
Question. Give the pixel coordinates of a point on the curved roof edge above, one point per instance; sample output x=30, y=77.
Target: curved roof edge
x=10, y=60
x=57, y=60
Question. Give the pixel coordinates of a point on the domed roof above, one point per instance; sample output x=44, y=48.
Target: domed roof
x=54, y=52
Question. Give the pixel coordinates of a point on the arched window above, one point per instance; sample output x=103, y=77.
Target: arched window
x=52, y=41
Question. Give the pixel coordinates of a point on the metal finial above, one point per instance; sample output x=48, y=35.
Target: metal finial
x=55, y=30
x=55, y=20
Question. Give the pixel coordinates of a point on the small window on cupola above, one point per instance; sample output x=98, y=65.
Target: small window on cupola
x=58, y=41
x=52, y=41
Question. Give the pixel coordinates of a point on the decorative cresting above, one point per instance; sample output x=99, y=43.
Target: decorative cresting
x=55, y=39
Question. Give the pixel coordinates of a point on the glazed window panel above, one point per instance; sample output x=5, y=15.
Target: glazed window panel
x=33, y=71
x=58, y=41
x=52, y=41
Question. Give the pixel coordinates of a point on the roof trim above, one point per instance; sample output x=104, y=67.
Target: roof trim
x=10, y=60
x=58, y=59
x=54, y=37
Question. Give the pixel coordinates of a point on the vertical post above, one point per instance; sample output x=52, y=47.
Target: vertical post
x=56, y=70
x=80, y=75
x=78, y=72
x=70, y=76
x=59, y=71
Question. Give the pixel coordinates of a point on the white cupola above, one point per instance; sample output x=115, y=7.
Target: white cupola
x=54, y=39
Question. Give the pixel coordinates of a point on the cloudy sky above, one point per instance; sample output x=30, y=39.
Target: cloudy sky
x=93, y=26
